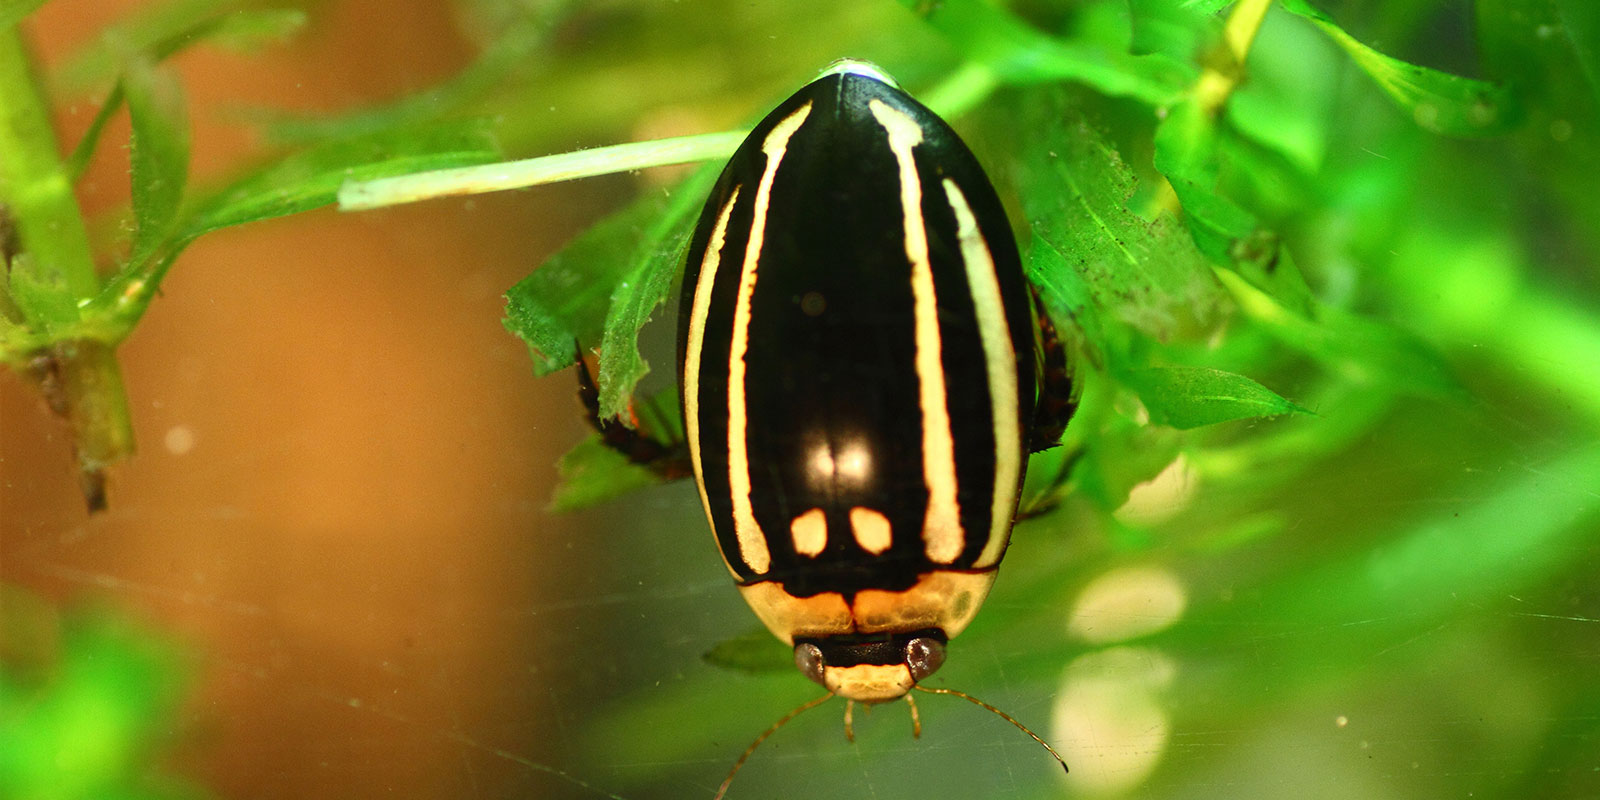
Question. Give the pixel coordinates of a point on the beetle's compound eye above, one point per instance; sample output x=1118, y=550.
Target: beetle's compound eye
x=808, y=659
x=924, y=656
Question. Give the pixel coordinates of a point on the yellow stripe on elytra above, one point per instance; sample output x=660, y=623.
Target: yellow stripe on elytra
x=941, y=532
x=697, y=338
x=752, y=544
x=1000, y=356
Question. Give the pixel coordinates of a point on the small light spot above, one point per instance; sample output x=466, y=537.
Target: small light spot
x=813, y=304
x=179, y=439
x=1426, y=115
x=1108, y=720
x=810, y=532
x=1126, y=603
x=1560, y=130
x=1161, y=497
x=1341, y=721
x=821, y=465
x=852, y=462
x=872, y=529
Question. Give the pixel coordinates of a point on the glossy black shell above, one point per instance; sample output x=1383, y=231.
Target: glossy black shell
x=830, y=364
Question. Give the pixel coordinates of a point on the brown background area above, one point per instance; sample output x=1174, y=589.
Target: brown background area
x=343, y=456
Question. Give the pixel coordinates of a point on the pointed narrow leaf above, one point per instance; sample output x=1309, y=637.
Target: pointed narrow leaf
x=565, y=301
x=659, y=260
x=1075, y=189
x=158, y=152
x=602, y=287
x=1189, y=397
x=1438, y=101
x=248, y=29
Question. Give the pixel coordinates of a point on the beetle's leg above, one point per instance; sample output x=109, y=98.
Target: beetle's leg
x=1046, y=500
x=670, y=460
x=1058, y=397
x=850, y=720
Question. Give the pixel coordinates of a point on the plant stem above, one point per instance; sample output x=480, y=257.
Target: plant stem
x=90, y=384
x=1222, y=76
x=58, y=268
x=52, y=278
x=380, y=192
x=965, y=88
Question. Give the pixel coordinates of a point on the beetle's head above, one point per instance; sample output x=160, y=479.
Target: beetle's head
x=870, y=668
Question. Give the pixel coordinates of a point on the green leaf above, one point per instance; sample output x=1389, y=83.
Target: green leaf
x=1142, y=274
x=1287, y=101
x=86, y=713
x=158, y=152
x=1187, y=153
x=1438, y=101
x=298, y=182
x=593, y=473
x=311, y=178
x=1124, y=453
x=246, y=29
x=754, y=651
x=1019, y=54
x=1189, y=397
x=157, y=32
x=659, y=259
x=13, y=11
x=603, y=286
x=240, y=29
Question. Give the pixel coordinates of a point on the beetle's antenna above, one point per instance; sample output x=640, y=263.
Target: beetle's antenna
x=804, y=707
x=1003, y=715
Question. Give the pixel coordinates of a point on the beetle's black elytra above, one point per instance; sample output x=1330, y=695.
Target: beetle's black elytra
x=858, y=369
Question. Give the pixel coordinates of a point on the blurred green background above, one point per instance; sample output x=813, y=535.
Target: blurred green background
x=1327, y=521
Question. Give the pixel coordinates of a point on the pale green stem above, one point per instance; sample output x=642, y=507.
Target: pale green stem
x=56, y=271
x=380, y=192
x=959, y=93
x=1220, y=79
